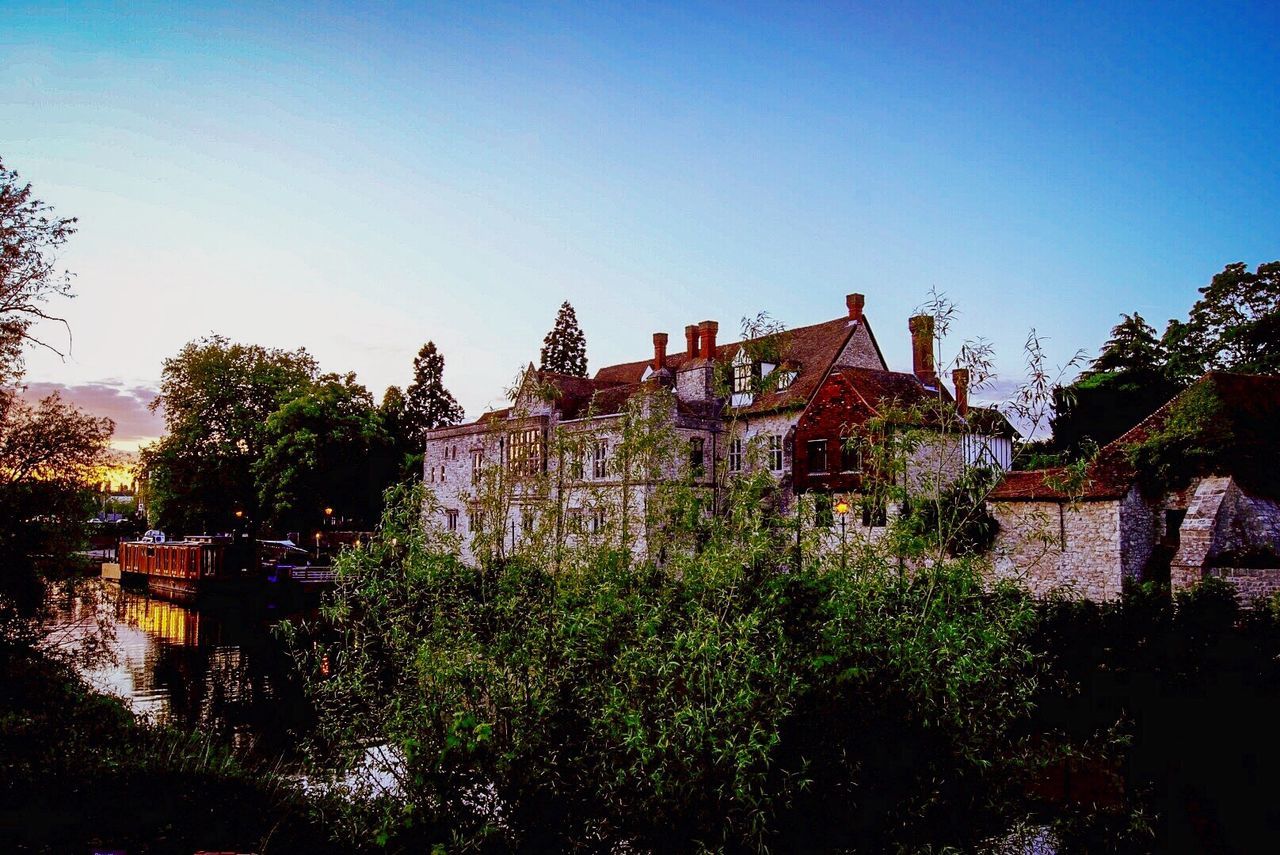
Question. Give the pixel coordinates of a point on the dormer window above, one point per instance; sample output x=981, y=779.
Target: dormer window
x=743, y=375
x=785, y=378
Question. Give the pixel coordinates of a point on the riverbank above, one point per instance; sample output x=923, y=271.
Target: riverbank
x=81, y=771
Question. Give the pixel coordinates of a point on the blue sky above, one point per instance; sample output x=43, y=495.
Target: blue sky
x=359, y=179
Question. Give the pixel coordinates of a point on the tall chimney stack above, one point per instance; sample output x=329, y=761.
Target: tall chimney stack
x=921, y=327
x=659, y=351
x=691, y=341
x=707, y=331
x=855, y=302
x=960, y=378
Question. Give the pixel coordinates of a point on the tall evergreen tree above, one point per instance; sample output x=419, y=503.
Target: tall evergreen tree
x=1124, y=385
x=427, y=403
x=564, y=350
x=1133, y=346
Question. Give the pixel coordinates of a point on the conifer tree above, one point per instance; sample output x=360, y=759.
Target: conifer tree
x=1133, y=346
x=427, y=403
x=564, y=350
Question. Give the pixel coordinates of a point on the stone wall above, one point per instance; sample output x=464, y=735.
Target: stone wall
x=1250, y=584
x=1199, y=528
x=1247, y=522
x=1139, y=526
x=1048, y=546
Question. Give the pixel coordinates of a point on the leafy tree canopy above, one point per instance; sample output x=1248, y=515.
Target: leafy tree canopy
x=217, y=397
x=326, y=448
x=1234, y=326
x=51, y=451
x=1133, y=346
x=564, y=350
x=427, y=403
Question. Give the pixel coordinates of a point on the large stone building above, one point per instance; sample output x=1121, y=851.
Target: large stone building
x=1217, y=515
x=779, y=402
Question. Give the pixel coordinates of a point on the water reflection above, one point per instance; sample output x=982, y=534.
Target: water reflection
x=219, y=671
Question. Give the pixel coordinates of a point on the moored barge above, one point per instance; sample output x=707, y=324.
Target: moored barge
x=184, y=570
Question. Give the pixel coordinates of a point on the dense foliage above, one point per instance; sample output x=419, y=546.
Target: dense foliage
x=711, y=702
x=217, y=397
x=83, y=774
x=50, y=452
x=1233, y=326
x=327, y=447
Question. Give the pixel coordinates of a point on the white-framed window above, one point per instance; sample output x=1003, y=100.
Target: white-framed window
x=743, y=374
x=451, y=518
x=600, y=459
x=735, y=454
x=775, y=452
x=785, y=379
x=597, y=520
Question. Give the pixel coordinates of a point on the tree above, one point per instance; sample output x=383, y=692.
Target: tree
x=427, y=403
x=1133, y=346
x=564, y=350
x=217, y=397
x=326, y=448
x=50, y=452
x=1124, y=385
x=1234, y=326
x=30, y=237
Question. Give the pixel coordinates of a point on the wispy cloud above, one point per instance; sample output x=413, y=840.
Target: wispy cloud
x=124, y=404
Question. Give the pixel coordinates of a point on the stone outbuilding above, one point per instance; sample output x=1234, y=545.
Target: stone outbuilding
x=1091, y=535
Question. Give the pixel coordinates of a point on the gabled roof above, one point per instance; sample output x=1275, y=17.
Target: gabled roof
x=1249, y=401
x=809, y=351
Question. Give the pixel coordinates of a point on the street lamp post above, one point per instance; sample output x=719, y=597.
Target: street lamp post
x=842, y=508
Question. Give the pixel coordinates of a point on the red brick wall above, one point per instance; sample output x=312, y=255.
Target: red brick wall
x=835, y=412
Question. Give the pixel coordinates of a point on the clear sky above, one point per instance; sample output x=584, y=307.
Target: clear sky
x=359, y=178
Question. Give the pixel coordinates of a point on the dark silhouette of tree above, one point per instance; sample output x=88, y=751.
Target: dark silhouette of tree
x=1133, y=346
x=564, y=350
x=30, y=237
x=1234, y=326
x=427, y=403
x=50, y=453
x=1124, y=385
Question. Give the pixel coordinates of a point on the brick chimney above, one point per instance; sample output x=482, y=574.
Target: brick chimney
x=921, y=327
x=659, y=351
x=855, y=302
x=707, y=331
x=691, y=341
x=960, y=378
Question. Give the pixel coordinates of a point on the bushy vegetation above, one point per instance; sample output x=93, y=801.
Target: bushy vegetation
x=716, y=701
x=82, y=772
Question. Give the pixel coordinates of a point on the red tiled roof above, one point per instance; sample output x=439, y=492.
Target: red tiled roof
x=810, y=351
x=1250, y=399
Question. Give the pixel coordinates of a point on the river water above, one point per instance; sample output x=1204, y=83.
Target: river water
x=220, y=671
